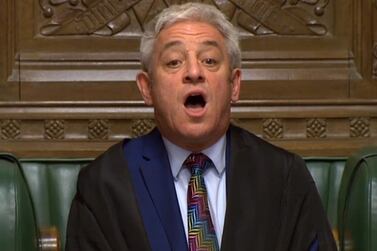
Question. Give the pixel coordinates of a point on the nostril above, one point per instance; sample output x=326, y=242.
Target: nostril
x=193, y=78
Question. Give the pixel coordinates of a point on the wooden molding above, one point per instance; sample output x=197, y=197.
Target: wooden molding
x=84, y=129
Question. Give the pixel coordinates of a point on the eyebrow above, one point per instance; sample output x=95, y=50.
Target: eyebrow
x=172, y=44
x=210, y=43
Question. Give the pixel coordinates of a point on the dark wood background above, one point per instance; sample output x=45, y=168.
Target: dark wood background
x=68, y=67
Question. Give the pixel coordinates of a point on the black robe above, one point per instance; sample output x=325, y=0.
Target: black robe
x=272, y=202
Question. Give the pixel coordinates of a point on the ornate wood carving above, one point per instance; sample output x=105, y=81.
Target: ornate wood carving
x=290, y=48
x=316, y=128
x=272, y=128
x=109, y=17
x=10, y=129
x=98, y=129
x=323, y=128
x=142, y=126
x=54, y=129
x=311, y=84
x=69, y=17
x=359, y=127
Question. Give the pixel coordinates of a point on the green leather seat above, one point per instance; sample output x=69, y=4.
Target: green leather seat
x=327, y=174
x=52, y=183
x=358, y=203
x=18, y=229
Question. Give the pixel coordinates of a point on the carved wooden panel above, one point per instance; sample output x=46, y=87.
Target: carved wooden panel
x=68, y=67
x=290, y=48
x=113, y=17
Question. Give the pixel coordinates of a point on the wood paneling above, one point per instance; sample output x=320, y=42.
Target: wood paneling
x=297, y=45
x=9, y=73
x=67, y=75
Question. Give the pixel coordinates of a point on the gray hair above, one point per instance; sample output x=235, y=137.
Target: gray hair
x=190, y=12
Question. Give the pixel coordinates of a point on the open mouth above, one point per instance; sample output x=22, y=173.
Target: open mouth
x=195, y=101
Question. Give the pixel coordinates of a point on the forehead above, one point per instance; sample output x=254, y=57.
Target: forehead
x=190, y=32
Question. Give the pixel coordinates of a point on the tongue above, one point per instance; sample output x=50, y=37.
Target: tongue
x=194, y=106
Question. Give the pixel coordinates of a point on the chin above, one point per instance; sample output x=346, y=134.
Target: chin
x=197, y=130
x=201, y=137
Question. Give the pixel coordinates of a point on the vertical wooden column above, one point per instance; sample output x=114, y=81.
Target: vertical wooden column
x=9, y=74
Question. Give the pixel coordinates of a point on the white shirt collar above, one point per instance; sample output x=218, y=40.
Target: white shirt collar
x=177, y=155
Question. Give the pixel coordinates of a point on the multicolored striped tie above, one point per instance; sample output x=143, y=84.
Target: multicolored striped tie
x=201, y=232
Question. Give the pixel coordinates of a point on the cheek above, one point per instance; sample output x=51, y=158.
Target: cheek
x=166, y=100
x=222, y=91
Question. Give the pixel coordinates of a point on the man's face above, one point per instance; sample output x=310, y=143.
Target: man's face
x=191, y=85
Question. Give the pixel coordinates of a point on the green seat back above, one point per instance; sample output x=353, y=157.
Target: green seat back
x=18, y=230
x=52, y=185
x=327, y=174
x=358, y=202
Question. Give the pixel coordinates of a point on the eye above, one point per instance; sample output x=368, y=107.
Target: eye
x=174, y=63
x=209, y=61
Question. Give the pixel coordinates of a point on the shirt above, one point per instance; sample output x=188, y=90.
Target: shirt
x=214, y=177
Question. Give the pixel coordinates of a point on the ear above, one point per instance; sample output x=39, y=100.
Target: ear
x=236, y=85
x=144, y=84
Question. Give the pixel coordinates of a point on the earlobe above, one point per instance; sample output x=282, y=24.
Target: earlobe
x=144, y=85
x=236, y=85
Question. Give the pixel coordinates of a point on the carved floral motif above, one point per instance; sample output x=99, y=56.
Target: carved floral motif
x=272, y=128
x=54, y=129
x=109, y=17
x=10, y=129
x=316, y=128
x=359, y=127
x=142, y=126
x=98, y=129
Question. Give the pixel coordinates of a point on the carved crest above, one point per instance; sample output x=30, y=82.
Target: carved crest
x=109, y=17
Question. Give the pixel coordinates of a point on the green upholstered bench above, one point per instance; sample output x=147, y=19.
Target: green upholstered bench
x=357, y=214
x=18, y=229
x=51, y=184
x=327, y=174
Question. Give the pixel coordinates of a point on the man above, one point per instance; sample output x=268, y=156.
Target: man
x=195, y=182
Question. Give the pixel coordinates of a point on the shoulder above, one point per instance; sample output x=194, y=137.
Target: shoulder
x=273, y=159
x=243, y=139
x=114, y=162
x=103, y=168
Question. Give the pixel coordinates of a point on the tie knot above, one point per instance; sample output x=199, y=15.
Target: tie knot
x=197, y=162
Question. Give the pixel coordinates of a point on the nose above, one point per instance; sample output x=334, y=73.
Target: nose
x=194, y=73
